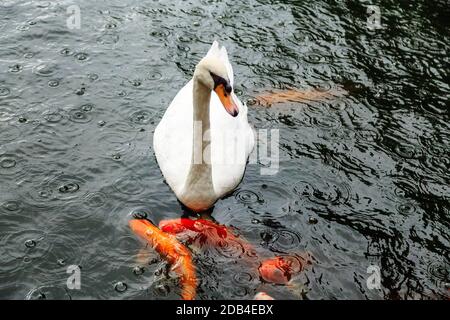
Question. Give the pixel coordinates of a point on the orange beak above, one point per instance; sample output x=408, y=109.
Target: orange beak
x=227, y=100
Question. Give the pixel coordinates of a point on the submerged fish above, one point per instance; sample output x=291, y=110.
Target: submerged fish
x=205, y=233
x=294, y=95
x=262, y=296
x=279, y=270
x=176, y=226
x=173, y=251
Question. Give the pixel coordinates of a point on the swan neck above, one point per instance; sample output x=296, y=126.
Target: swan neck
x=199, y=185
x=202, y=98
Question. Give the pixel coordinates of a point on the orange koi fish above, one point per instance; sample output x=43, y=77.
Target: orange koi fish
x=293, y=95
x=279, y=270
x=173, y=251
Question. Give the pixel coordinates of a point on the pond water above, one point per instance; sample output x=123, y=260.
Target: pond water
x=363, y=176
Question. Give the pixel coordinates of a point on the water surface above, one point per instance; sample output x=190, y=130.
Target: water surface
x=363, y=177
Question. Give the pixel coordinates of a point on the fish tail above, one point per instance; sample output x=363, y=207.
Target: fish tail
x=173, y=251
x=188, y=278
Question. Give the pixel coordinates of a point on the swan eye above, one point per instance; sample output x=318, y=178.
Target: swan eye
x=218, y=80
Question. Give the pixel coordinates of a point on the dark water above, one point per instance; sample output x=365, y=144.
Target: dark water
x=363, y=179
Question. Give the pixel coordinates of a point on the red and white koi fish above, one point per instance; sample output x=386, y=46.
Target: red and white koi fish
x=203, y=232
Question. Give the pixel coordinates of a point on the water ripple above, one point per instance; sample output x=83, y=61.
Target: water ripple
x=27, y=244
x=324, y=192
x=129, y=185
x=260, y=196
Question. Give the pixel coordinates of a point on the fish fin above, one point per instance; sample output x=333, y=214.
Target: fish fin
x=143, y=256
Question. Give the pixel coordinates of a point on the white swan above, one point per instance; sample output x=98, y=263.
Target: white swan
x=203, y=141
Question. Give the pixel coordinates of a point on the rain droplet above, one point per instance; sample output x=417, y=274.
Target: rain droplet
x=22, y=119
x=44, y=193
x=8, y=163
x=11, y=206
x=80, y=91
x=136, y=83
x=53, y=117
x=140, y=117
x=87, y=107
x=251, y=102
x=30, y=243
x=406, y=208
x=4, y=91
x=139, y=215
x=120, y=287
x=26, y=259
x=15, y=68
x=45, y=70
x=101, y=123
x=81, y=56
x=66, y=52
x=247, y=197
x=79, y=116
x=69, y=188
x=138, y=270
x=312, y=220
x=41, y=296
x=313, y=58
x=110, y=25
x=53, y=83
x=93, y=76
x=23, y=27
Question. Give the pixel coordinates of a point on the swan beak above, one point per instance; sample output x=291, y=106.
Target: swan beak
x=227, y=100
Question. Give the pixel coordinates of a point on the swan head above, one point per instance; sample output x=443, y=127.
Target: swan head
x=212, y=73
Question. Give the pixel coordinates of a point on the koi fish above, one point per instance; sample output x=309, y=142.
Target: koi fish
x=293, y=95
x=175, y=226
x=173, y=251
x=205, y=232
x=262, y=296
x=279, y=270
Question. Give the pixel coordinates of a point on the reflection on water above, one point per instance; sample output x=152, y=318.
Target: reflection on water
x=363, y=177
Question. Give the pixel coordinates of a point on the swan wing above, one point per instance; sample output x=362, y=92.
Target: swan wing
x=172, y=140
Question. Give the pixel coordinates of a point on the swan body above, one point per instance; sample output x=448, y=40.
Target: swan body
x=203, y=141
